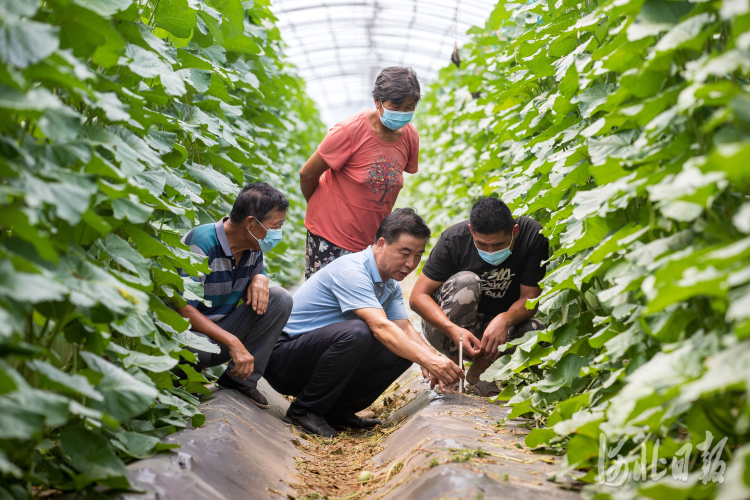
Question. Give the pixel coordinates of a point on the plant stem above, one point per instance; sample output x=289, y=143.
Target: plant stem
x=151, y=19
x=59, y=326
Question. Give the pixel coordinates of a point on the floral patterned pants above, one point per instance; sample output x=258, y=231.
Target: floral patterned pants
x=320, y=252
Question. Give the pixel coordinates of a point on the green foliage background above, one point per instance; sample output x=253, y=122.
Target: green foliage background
x=623, y=127
x=123, y=124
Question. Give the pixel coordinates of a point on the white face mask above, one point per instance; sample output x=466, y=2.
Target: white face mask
x=273, y=238
x=498, y=257
x=395, y=120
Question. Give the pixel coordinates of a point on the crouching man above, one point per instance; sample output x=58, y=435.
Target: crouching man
x=349, y=336
x=245, y=332
x=477, y=281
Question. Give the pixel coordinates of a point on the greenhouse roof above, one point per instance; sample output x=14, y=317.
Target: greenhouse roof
x=340, y=46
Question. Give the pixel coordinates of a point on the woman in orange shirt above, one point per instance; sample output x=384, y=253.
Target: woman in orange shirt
x=353, y=179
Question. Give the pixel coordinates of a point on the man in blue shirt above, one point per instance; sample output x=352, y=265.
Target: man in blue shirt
x=246, y=333
x=348, y=337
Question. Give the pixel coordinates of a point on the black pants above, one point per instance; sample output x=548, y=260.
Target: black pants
x=258, y=334
x=339, y=369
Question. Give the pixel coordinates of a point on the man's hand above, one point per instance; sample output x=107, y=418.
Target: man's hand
x=495, y=335
x=400, y=338
x=244, y=362
x=472, y=345
x=257, y=294
x=443, y=370
x=426, y=375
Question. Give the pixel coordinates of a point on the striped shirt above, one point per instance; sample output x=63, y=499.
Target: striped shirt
x=225, y=285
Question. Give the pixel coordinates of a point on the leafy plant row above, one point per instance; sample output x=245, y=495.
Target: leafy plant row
x=123, y=124
x=623, y=127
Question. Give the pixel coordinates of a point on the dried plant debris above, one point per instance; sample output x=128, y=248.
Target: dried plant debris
x=342, y=467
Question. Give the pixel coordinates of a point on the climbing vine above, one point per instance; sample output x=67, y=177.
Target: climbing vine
x=623, y=127
x=123, y=124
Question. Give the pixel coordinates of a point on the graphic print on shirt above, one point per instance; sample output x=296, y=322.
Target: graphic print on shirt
x=496, y=282
x=384, y=176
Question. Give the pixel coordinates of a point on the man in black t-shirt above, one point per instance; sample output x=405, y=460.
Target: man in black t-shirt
x=477, y=280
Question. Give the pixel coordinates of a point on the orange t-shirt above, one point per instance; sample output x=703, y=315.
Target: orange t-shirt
x=362, y=185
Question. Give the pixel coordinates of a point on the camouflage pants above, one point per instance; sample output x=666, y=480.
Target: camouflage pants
x=459, y=299
x=320, y=252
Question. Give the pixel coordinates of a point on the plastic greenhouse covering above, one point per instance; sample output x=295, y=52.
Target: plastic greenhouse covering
x=340, y=47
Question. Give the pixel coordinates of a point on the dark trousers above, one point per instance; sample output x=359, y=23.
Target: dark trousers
x=339, y=369
x=257, y=333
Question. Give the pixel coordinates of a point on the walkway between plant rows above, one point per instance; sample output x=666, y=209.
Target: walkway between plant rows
x=432, y=446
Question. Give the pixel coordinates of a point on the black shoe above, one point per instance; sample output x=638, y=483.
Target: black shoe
x=352, y=422
x=252, y=393
x=311, y=422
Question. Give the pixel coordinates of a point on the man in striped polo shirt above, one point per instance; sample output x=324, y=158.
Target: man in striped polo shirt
x=245, y=317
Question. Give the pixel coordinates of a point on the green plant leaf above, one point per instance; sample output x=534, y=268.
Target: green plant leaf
x=124, y=395
x=135, y=444
x=68, y=381
x=176, y=17
x=105, y=8
x=190, y=339
x=234, y=17
x=33, y=288
x=151, y=363
x=135, y=325
x=167, y=315
x=24, y=42
x=655, y=17
x=563, y=374
x=685, y=33
x=18, y=422
x=146, y=63
x=131, y=210
x=212, y=179
x=90, y=453
x=538, y=437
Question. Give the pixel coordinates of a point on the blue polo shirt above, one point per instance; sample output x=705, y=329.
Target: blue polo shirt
x=226, y=284
x=333, y=294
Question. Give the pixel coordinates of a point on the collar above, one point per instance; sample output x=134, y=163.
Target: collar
x=371, y=265
x=222, y=235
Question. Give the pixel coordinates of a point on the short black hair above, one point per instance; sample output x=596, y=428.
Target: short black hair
x=490, y=216
x=259, y=200
x=402, y=220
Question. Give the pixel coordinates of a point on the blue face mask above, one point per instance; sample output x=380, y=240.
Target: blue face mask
x=496, y=258
x=273, y=238
x=394, y=120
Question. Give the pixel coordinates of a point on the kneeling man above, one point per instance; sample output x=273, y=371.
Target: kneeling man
x=477, y=281
x=349, y=336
